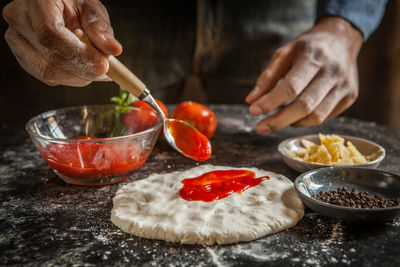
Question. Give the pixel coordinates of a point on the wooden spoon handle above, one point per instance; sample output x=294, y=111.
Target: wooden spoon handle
x=124, y=77
x=118, y=72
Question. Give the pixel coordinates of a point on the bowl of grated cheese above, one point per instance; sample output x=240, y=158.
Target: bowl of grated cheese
x=310, y=152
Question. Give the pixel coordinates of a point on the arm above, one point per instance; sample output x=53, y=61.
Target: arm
x=41, y=37
x=315, y=75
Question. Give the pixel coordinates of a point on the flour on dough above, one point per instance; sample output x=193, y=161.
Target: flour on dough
x=153, y=208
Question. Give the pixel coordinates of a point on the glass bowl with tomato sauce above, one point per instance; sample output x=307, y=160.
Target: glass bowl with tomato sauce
x=96, y=144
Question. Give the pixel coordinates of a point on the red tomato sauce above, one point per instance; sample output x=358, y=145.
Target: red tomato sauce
x=190, y=141
x=217, y=185
x=93, y=160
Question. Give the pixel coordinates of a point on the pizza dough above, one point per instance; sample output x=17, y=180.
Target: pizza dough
x=153, y=208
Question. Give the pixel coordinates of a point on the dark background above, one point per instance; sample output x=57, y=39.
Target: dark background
x=22, y=96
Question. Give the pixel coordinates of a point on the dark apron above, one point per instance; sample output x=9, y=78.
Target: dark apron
x=211, y=51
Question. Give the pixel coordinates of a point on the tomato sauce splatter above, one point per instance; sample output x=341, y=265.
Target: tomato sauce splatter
x=219, y=184
x=191, y=142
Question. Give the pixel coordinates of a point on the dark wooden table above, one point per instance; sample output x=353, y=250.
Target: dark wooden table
x=44, y=221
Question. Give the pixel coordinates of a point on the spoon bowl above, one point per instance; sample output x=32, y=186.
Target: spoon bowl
x=182, y=136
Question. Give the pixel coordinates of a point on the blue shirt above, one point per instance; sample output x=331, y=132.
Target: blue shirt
x=365, y=15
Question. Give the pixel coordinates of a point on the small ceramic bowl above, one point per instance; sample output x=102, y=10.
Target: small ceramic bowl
x=374, y=152
x=95, y=145
x=369, y=180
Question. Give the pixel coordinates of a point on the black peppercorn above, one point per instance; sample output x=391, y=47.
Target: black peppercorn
x=355, y=199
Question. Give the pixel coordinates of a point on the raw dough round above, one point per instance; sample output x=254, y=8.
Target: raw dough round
x=153, y=208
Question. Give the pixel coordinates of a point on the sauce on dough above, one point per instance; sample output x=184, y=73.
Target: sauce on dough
x=218, y=184
x=153, y=208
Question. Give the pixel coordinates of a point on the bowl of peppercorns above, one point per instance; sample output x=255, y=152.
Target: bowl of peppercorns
x=353, y=194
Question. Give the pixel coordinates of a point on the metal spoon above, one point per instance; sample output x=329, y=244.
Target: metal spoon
x=121, y=75
x=127, y=80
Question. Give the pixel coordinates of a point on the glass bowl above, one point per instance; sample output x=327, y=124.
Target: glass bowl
x=97, y=144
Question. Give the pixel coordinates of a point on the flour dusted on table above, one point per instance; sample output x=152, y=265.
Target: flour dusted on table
x=153, y=208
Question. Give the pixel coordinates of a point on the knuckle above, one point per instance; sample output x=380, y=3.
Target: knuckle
x=50, y=83
x=265, y=109
x=334, y=68
x=46, y=73
x=54, y=57
x=8, y=36
x=8, y=12
x=100, y=26
x=85, y=83
x=316, y=118
x=313, y=51
x=95, y=13
x=345, y=85
x=77, y=83
x=317, y=53
x=80, y=82
x=306, y=106
x=266, y=74
x=291, y=88
x=273, y=126
x=304, y=46
x=353, y=95
x=47, y=36
x=352, y=91
x=346, y=102
x=280, y=52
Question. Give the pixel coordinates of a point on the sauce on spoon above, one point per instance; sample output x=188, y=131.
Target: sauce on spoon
x=190, y=141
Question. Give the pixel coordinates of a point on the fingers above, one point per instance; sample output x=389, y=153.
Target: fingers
x=275, y=70
x=295, y=81
x=59, y=44
x=336, y=101
x=345, y=103
x=36, y=65
x=321, y=81
x=301, y=107
x=47, y=27
x=96, y=23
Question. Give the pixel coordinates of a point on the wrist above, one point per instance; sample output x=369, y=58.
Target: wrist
x=342, y=29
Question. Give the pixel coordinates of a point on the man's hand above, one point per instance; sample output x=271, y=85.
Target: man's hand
x=315, y=75
x=41, y=38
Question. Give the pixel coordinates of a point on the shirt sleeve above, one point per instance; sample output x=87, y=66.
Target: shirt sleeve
x=365, y=15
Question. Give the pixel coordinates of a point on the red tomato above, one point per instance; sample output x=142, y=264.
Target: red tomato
x=147, y=119
x=143, y=104
x=198, y=115
x=139, y=119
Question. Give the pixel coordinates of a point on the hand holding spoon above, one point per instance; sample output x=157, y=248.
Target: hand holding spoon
x=179, y=134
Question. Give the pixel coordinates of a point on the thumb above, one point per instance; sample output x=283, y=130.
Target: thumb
x=96, y=24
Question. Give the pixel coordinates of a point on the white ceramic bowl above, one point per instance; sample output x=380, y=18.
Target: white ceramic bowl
x=373, y=151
